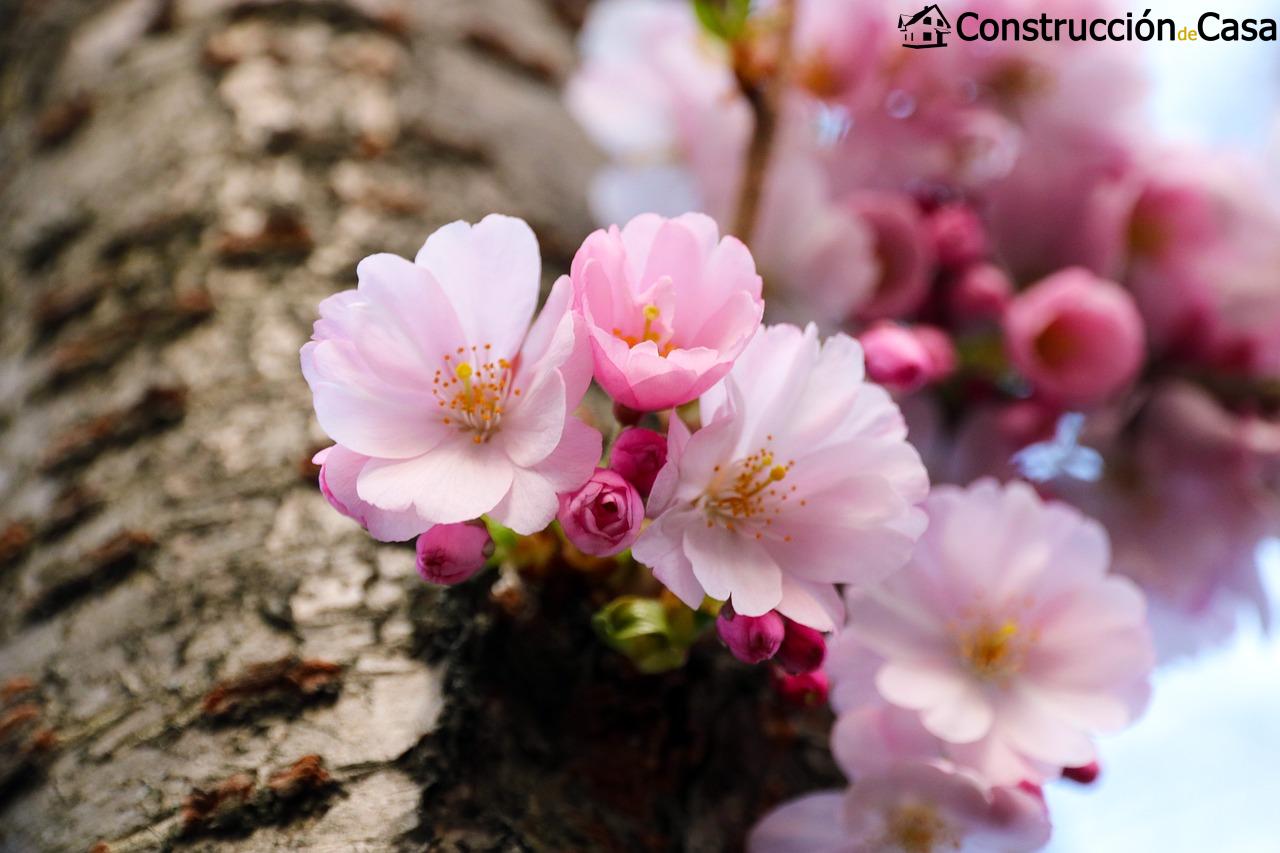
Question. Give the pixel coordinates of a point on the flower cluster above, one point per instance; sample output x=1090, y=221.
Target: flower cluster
x=449, y=402
x=903, y=212
x=1008, y=244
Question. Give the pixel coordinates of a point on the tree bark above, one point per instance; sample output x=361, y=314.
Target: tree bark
x=196, y=652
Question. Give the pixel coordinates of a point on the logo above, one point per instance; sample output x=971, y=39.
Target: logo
x=926, y=28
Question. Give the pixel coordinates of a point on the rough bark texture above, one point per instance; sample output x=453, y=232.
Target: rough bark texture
x=196, y=652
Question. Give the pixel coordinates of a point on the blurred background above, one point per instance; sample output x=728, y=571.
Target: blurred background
x=1199, y=771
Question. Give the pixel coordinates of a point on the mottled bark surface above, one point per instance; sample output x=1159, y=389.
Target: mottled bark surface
x=196, y=652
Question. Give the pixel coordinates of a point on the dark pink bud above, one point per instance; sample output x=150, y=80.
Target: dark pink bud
x=959, y=238
x=638, y=455
x=803, y=649
x=905, y=358
x=805, y=690
x=1086, y=775
x=451, y=553
x=752, y=639
x=603, y=517
x=981, y=293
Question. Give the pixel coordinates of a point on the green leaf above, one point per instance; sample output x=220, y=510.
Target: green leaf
x=711, y=16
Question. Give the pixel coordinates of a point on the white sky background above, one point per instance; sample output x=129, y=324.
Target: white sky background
x=1201, y=772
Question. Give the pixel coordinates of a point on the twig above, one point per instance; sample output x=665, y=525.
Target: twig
x=764, y=95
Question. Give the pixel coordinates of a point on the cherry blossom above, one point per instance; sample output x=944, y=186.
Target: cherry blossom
x=800, y=479
x=431, y=370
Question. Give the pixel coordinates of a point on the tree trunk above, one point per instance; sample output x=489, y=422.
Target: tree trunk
x=196, y=652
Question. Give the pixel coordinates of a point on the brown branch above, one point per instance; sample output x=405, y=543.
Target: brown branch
x=762, y=83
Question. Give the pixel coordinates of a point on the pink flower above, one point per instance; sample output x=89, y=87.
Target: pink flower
x=904, y=248
x=803, y=649
x=1078, y=338
x=638, y=455
x=661, y=100
x=1004, y=635
x=1187, y=497
x=452, y=553
x=906, y=807
x=668, y=306
x=752, y=639
x=800, y=479
x=905, y=358
x=431, y=370
x=603, y=517
x=339, y=470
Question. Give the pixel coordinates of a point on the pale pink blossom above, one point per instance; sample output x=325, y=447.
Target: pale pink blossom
x=1187, y=495
x=339, y=470
x=907, y=807
x=431, y=370
x=816, y=253
x=668, y=305
x=661, y=100
x=801, y=478
x=1076, y=337
x=603, y=516
x=1004, y=634
x=451, y=553
x=904, y=249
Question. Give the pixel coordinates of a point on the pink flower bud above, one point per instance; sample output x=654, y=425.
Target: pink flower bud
x=981, y=293
x=803, y=649
x=752, y=639
x=1077, y=337
x=638, y=455
x=1085, y=775
x=959, y=239
x=603, y=517
x=804, y=690
x=904, y=358
x=451, y=553
x=942, y=352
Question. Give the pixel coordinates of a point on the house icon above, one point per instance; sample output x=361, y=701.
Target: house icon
x=926, y=28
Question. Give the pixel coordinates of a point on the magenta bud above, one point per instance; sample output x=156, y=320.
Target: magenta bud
x=803, y=649
x=603, y=517
x=752, y=639
x=638, y=455
x=1085, y=775
x=959, y=239
x=451, y=553
x=905, y=358
x=804, y=690
x=981, y=293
